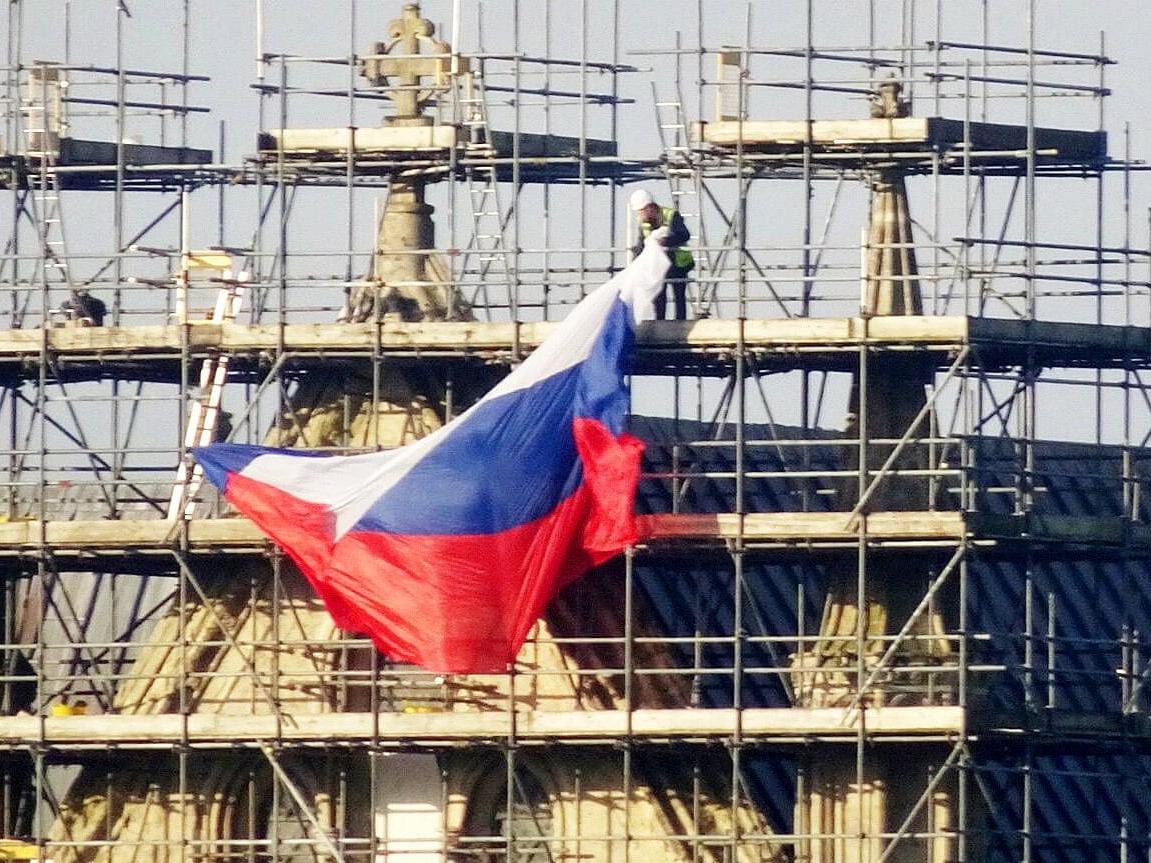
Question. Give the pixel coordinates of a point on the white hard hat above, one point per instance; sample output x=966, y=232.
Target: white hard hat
x=641, y=198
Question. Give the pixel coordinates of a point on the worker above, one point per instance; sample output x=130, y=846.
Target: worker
x=84, y=308
x=652, y=216
x=223, y=429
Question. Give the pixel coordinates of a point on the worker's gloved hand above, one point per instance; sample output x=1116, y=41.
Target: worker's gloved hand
x=660, y=235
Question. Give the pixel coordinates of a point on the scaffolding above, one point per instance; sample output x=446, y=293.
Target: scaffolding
x=893, y=601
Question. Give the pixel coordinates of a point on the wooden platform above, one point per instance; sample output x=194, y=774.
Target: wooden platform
x=311, y=155
x=120, y=544
x=90, y=165
x=366, y=142
x=434, y=730
x=922, y=140
x=705, y=346
x=1058, y=728
x=238, y=534
x=800, y=725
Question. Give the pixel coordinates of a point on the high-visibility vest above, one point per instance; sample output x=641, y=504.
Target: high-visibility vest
x=681, y=257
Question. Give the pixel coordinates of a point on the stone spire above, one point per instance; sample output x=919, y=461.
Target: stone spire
x=861, y=806
x=408, y=282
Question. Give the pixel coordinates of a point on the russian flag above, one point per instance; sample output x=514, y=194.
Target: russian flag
x=447, y=550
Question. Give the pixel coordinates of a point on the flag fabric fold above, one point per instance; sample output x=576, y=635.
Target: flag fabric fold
x=446, y=551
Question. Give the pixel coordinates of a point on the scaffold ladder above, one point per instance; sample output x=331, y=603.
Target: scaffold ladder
x=488, y=243
x=671, y=123
x=44, y=119
x=474, y=112
x=204, y=413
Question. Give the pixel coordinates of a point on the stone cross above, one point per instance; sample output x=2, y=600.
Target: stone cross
x=410, y=36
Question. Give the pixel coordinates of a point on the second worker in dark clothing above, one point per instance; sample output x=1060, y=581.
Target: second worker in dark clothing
x=652, y=216
x=84, y=308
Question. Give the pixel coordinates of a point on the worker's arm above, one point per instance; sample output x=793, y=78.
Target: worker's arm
x=637, y=247
x=677, y=232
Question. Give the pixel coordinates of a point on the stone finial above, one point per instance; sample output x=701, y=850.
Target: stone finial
x=410, y=26
x=418, y=57
x=887, y=102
